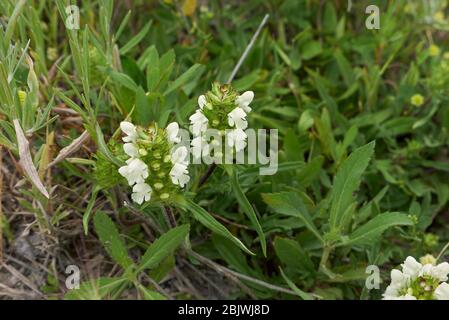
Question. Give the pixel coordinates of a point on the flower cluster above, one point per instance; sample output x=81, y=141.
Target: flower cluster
x=223, y=109
x=419, y=281
x=156, y=168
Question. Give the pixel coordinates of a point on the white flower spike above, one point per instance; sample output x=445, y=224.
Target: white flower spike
x=154, y=167
x=419, y=282
x=141, y=193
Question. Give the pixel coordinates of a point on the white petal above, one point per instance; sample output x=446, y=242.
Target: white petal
x=179, y=174
x=237, y=117
x=411, y=267
x=397, y=277
x=141, y=192
x=131, y=150
x=136, y=171
x=130, y=130
x=237, y=139
x=179, y=155
x=244, y=100
x=137, y=198
x=442, y=292
x=172, y=132
x=440, y=271
x=202, y=101
x=127, y=127
x=199, y=122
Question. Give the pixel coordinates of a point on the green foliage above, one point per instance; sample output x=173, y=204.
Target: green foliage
x=362, y=175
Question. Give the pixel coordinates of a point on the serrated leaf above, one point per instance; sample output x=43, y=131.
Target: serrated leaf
x=136, y=39
x=346, y=183
x=248, y=209
x=293, y=255
x=110, y=238
x=94, y=289
x=290, y=204
x=376, y=226
x=163, y=247
x=212, y=224
x=185, y=77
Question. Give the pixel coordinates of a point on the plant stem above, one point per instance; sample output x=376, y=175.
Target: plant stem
x=226, y=271
x=170, y=217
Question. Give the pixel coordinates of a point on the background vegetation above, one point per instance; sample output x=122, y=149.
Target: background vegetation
x=363, y=173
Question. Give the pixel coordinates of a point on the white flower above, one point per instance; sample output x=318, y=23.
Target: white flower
x=442, y=292
x=199, y=123
x=440, y=271
x=244, y=100
x=199, y=146
x=416, y=280
x=131, y=150
x=179, y=174
x=136, y=171
x=202, y=101
x=237, y=117
x=179, y=155
x=130, y=130
x=236, y=138
x=172, y=132
x=411, y=267
x=141, y=193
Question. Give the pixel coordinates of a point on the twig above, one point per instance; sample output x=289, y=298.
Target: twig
x=207, y=174
x=188, y=283
x=169, y=216
x=157, y=286
x=248, y=48
x=1, y=202
x=205, y=278
x=225, y=271
x=442, y=251
x=238, y=225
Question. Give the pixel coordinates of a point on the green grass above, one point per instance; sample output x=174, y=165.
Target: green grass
x=363, y=171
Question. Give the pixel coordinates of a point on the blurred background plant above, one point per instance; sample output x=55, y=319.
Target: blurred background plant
x=329, y=85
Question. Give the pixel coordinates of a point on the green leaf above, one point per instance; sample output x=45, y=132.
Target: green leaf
x=110, y=238
x=136, y=39
x=211, y=223
x=123, y=79
x=149, y=294
x=95, y=289
x=290, y=204
x=346, y=183
x=303, y=295
x=376, y=226
x=293, y=255
x=247, y=208
x=193, y=71
x=163, y=247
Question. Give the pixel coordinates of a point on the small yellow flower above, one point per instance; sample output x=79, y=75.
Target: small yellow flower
x=52, y=54
x=434, y=50
x=409, y=8
x=22, y=97
x=428, y=259
x=164, y=196
x=439, y=17
x=417, y=100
